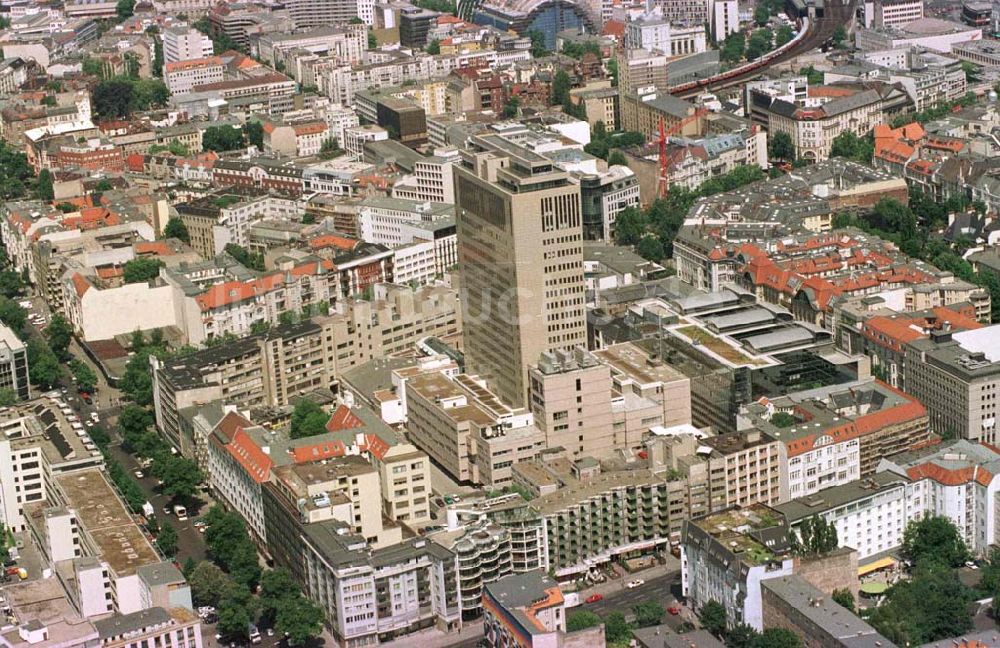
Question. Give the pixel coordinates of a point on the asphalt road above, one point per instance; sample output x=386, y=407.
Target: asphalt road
x=662, y=589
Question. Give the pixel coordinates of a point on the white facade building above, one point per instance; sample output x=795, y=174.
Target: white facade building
x=183, y=43
x=182, y=76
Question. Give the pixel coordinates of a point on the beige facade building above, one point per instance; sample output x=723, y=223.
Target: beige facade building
x=637, y=372
x=571, y=403
x=467, y=429
x=520, y=236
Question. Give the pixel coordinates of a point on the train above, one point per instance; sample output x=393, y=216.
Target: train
x=802, y=31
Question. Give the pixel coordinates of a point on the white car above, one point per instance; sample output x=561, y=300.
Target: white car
x=138, y=474
x=636, y=583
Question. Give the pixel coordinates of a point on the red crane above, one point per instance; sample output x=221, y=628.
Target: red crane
x=663, y=186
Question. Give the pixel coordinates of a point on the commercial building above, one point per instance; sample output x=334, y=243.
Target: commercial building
x=519, y=245
x=727, y=556
x=396, y=222
x=955, y=375
x=932, y=33
x=604, y=195
x=891, y=13
x=529, y=610
x=13, y=364
x=183, y=43
x=151, y=627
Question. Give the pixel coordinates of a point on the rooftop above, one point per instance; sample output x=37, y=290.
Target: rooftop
x=832, y=498
x=121, y=543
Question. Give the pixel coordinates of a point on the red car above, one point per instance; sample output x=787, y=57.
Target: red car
x=674, y=610
x=594, y=598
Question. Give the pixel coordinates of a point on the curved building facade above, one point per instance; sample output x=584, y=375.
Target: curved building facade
x=548, y=17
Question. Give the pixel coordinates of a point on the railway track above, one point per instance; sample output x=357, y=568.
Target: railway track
x=819, y=31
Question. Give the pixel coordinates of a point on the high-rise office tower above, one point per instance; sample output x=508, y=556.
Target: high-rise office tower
x=520, y=251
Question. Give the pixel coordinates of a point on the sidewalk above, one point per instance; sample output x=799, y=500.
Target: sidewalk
x=613, y=585
x=433, y=638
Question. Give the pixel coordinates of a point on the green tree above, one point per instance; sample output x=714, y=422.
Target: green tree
x=784, y=36
x=850, y=146
x=816, y=537
x=616, y=157
x=934, y=538
x=236, y=612
x=741, y=636
x=134, y=419
x=538, y=48
x=780, y=147
x=60, y=334
x=650, y=248
x=11, y=284
x=300, y=620
x=276, y=587
x=12, y=315
x=372, y=40
x=971, y=71
x=330, y=148
x=112, y=99
x=222, y=138
x=733, y=48
x=180, y=475
x=511, y=107
x=630, y=226
x=612, y=66
x=254, y=132
x=931, y=606
x=713, y=618
x=43, y=186
x=141, y=270
x=166, y=540
x=616, y=628
x=177, y=229
x=844, y=598
x=782, y=420
x=776, y=638
x=434, y=47
x=839, y=36
x=813, y=76
x=561, y=84
x=43, y=365
x=249, y=259
x=308, y=419
x=125, y=9
x=759, y=44
x=581, y=620
x=761, y=15
x=209, y=584
x=86, y=379
x=7, y=398
x=648, y=613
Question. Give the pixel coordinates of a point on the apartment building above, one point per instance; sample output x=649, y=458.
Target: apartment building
x=184, y=43
x=183, y=75
x=258, y=370
x=957, y=480
x=370, y=596
x=652, y=32
x=870, y=514
x=467, y=429
x=321, y=13
x=838, y=434
x=591, y=515
x=224, y=217
x=432, y=181
x=643, y=110
x=955, y=376
x=638, y=373
x=301, y=139
x=640, y=68
x=751, y=463
x=152, y=627
x=727, y=555
x=13, y=364
x=520, y=233
x=346, y=43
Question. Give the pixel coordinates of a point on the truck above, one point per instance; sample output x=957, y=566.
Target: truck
x=148, y=511
x=180, y=512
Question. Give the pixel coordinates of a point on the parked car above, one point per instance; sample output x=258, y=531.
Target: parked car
x=673, y=610
x=138, y=474
x=594, y=598
x=636, y=583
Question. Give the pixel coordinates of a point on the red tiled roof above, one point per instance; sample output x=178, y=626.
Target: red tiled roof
x=324, y=450
x=253, y=460
x=332, y=240
x=230, y=423
x=343, y=419
x=80, y=284
x=192, y=64
x=158, y=248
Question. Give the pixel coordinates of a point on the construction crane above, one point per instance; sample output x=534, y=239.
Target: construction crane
x=663, y=186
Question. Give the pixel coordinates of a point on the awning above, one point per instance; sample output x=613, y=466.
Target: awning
x=881, y=563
